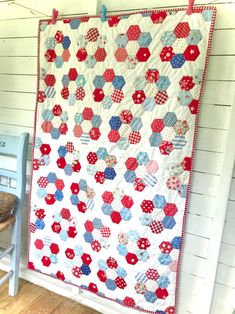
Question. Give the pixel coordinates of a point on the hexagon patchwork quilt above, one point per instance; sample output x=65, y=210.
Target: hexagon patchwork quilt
x=115, y=130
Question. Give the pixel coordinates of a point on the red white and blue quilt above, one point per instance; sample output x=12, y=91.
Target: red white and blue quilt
x=115, y=130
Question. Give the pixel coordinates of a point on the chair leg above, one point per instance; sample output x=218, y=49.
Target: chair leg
x=15, y=257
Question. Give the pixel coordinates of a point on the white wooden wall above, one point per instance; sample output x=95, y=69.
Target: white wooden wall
x=224, y=292
x=214, y=151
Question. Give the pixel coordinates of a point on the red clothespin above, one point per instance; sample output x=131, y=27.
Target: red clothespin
x=190, y=7
x=54, y=16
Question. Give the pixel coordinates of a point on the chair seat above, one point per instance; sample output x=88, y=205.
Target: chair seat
x=7, y=203
x=6, y=223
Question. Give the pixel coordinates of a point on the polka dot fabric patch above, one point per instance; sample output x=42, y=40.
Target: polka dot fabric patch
x=115, y=130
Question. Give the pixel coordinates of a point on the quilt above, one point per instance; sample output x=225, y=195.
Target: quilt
x=115, y=131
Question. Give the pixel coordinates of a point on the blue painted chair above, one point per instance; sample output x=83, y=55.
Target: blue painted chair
x=12, y=195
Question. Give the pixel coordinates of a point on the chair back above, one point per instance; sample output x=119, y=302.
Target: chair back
x=14, y=181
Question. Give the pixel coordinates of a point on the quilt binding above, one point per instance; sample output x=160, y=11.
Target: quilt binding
x=195, y=9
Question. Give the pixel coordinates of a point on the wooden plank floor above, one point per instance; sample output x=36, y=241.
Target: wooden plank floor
x=32, y=299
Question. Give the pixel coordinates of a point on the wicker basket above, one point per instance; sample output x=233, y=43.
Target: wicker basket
x=7, y=204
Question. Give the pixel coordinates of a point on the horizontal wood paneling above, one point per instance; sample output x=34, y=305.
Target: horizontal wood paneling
x=229, y=234
x=18, y=46
x=211, y=140
x=225, y=278
x=19, y=83
x=203, y=205
x=19, y=65
x=193, y=265
x=198, y=225
x=195, y=245
x=18, y=62
x=226, y=275
x=232, y=192
x=220, y=116
x=231, y=211
x=219, y=92
x=208, y=162
x=227, y=254
x=15, y=130
x=27, y=9
x=24, y=117
x=18, y=100
x=26, y=27
x=205, y=183
x=224, y=301
x=227, y=63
